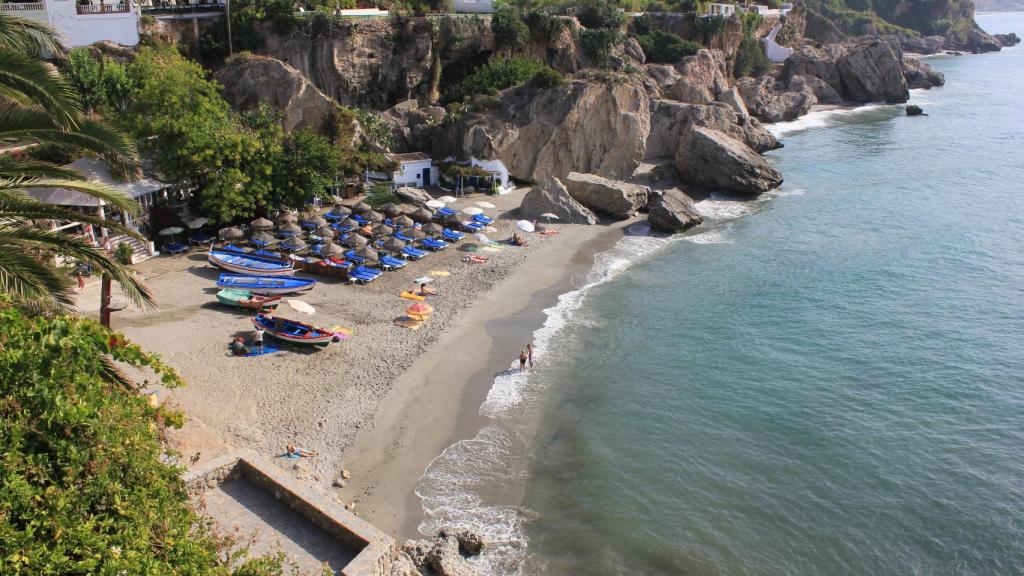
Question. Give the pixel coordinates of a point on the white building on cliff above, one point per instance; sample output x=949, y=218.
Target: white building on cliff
x=81, y=24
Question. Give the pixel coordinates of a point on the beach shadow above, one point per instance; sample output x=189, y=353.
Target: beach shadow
x=279, y=344
x=507, y=372
x=205, y=272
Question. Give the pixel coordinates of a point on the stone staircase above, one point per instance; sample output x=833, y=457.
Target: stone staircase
x=142, y=251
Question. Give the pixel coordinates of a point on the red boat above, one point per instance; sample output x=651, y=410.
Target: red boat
x=294, y=331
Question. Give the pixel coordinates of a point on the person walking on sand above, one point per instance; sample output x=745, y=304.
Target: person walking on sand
x=529, y=354
x=257, y=340
x=522, y=360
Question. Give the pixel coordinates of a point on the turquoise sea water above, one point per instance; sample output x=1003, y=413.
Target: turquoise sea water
x=829, y=381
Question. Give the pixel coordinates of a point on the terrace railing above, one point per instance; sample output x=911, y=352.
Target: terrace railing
x=118, y=8
x=168, y=8
x=15, y=7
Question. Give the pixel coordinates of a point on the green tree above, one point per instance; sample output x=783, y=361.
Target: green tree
x=494, y=76
x=40, y=109
x=600, y=14
x=510, y=30
x=86, y=75
x=598, y=44
x=750, y=59
x=308, y=164
x=666, y=47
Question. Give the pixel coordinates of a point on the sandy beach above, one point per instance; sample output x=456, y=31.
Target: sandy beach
x=381, y=404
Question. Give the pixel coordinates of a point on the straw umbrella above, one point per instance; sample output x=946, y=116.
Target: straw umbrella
x=361, y=208
x=369, y=253
x=341, y=209
x=315, y=218
x=422, y=215
x=374, y=216
x=350, y=223
x=391, y=209
x=355, y=241
x=383, y=230
x=331, y=249
x=394, y=245
x=416, y=234
x=293, y=244
x=290, y=229
x=262, y=238
x=231, y=233
x=403, y=221
x=431, y=229
x=261, y=224
x=325, y=232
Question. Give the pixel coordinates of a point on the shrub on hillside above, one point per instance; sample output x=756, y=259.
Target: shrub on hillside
x=492, y=77
x=666, y=47
x=600, y=14
x=750, y=59
x=510, y=31
x=598, y=43
x=547, y=77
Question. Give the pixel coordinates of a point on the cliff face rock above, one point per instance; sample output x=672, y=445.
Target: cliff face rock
x=612, y=197
x=552, y=197
x=922, y=44
x=920, y=75
x=814, y=62
x=445, y=554
x=250, y=81
x=775, y=102
x=871, y=71
x=375, y=63
x=1007, y=40
x=672, y=210
x=713, y=160
x=670, y=120
x=701, y=78
x=824, y=93
x=410, y=124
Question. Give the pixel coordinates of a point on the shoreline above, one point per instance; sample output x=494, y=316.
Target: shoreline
x=419, y=418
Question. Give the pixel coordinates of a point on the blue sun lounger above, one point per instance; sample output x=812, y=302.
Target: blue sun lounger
x=363, y=221
x=200, y=238
x=452, y=235
x=351, y=255
x=267, y=253
x=444, y=213
x=432, y=244
x=401, y=236
x=391, y=263
x=339, y=228
x=413, y=253
x=335, y=216
x=363, y=275
x=483, y=219
x=175, y=248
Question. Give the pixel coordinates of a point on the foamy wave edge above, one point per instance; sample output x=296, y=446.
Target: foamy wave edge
x=446, y=489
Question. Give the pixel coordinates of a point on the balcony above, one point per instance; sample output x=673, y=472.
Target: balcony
x=30, y=10
x=88, y=9
x=157, y=8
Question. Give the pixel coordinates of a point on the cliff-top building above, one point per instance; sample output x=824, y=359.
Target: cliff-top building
x=81, y=24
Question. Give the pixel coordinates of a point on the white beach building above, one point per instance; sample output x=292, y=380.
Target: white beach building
x=716, y=9
x=81, y=24
x=415, y=169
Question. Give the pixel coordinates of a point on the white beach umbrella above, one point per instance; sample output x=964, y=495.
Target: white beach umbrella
x=171, y=231
x=485, y=204
x=198, y=223
x=472, y=211
x=525, y=225
x=549, y=216
x=303, y=307
x=447, y=199
x=482, y=238
x=435, y=204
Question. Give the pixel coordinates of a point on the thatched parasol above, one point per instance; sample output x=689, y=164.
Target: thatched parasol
x=290, y=228
x=368, y=253
x=331, y=249
x=404, y=220
x=422, y=215
x=261, y=224
x=264, y=237
x=394, y=245
x=230, y=233
x=374, y=216
x=314, y=218
x=383, y=230
x=341, y=209
x=293, y=244
x=356, y=241
x=415, y=233
x=325, y=232
x=361, y=208
x=350, y=223
x=432, y=228
x=391, y=209
x=286, y=218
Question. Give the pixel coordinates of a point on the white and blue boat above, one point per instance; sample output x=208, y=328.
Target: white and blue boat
x=241, y=263
x=265, y=284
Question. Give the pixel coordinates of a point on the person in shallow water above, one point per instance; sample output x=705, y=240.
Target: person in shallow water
x=523, y=357
x=529, y=354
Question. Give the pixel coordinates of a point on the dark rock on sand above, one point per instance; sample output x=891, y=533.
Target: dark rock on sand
x=914, y=110
x=713, y=160
x=552, y=197
x=612, y=197
x=443, y=554
x=672, y=210
x=1007, y=40
x=413, y=195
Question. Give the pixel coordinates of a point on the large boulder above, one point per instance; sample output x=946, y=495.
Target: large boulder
x=921, y=75
x=249, y=81
x=871, y=71
x=821, y=29
x=672, y=210
x=789, y=105
x=1007, y=40
x=671, y=120
x=411, y=124
x=552, y=197
x=702, y=77
x=413, y=195
x=734, y=100
x=823, y=92
x=439, y=556
x=713, y=160
x=612, y=197
x=922, y=44
x=977, y=41
x=815, y=62
x=773, y=101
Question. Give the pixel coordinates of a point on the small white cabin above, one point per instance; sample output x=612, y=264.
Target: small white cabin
x=415, y=169
x=81, y=23
x=725, y=10
x=474, y=6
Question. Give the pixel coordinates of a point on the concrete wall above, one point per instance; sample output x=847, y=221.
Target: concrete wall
x=377, y=549
x=84, y=29
x=411, y=173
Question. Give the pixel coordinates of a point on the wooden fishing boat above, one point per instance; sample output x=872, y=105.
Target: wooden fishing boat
x=249, y=263
x=321, y=267
x=294, y=331
x=265, y=284
x=246, y=299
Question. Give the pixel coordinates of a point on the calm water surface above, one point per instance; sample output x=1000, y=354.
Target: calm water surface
x=827, y=382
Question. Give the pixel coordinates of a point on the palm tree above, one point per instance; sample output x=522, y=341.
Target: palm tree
x=37, y=106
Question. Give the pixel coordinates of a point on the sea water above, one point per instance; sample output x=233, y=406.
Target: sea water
x=826, y=381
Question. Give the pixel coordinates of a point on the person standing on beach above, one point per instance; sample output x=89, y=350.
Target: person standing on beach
x=529, y=353
x=522, y=360
x=257, y=340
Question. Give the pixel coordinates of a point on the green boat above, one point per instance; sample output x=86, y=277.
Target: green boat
x=246, y=299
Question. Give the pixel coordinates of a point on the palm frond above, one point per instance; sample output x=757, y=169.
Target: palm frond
x=29, y=37
x=26, y=278
x=29, y=81
x=33, y=125
x=13, y=168
x=18, y=207
x=111, y=196
x=26, y=240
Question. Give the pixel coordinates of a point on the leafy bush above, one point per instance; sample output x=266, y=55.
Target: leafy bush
x=125, y=253
x=376, y=129
x=750, y=59
x=600, y=14
x=666, y=47
x=85, y=487
x=598, y=44
x=510, y=31
x=544, y=27
x=381, y=195
x=547, y=77
x=495, y=75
